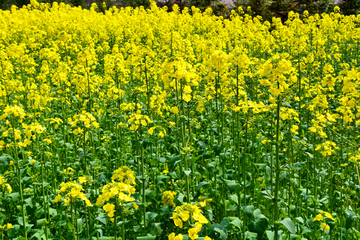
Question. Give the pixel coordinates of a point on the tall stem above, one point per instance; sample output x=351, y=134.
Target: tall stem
x=72, y=220
x=143, y=177
x=19, y=178
x=277, y=168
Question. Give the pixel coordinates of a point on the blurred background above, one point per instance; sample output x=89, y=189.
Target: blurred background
x=267, y=9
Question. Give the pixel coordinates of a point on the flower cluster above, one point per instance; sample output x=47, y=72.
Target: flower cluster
x=186, y=212
x=6, y=227
x=83, y=120
x=137, y=119
x=16, y=111
x=120, y=190
x=71, y=192
x=168, y=198
x=4, y=185
x=322, y=216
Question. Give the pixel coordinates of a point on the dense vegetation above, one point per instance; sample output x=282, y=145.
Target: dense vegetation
x=148, y=124
x=265, y=8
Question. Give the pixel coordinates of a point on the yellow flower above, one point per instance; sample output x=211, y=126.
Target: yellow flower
x=318, y=217
x=175, y=110
x=4, y=184
x=294, y=129
x=168, y=198
x=135, y=205
x=187, y=97
x=82, y=180
x=173, y=237
x=9, y=226
x=328, y=215
x=57, y=198
x=151, y=130
x=109, y=209
x=207, y=238
x=193, y=233
x=178, y=222
x=32, y=161
x=78, y=131
x=198, y=226
x=200, y=218
x=325, y=227
x=184, y=215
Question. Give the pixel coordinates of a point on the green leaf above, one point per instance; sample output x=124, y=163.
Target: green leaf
x=236, y=222
x=81, y=155
x=180, y=198
x=4, y=159
x=225, y=222
x=201, y=184
x=257, y=212
x=251, y=235
x=300, y=219
x=79, y=224
x=248, y=210
x=70, y=226
x=14, y=196
x=37, y=235
x=21, y=221
x=101, y=218
x=162, y=159
x=288, y=223
x=187, y=173
x=29, y=202
x=231, y=184
x=150, y=216
x=156, y=229
x=40, y=222
x=259, y=226
x=271, y=235
x=102, y=178
x=295, y=237
x=266, y=195
x=221, y=231
x=349, y=220
x=234, y=198
x=217, y=149
x=99, y=230
x=146, y=238
x=203, y=145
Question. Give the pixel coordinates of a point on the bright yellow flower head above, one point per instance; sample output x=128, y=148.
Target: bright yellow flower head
x=318, y=217
x=325, y=228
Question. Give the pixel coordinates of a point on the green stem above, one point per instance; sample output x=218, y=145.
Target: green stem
x=122, y=225
x=72, y=220
x=115, y=218
x=19, y=179
x=143, y=177
x=277, y=168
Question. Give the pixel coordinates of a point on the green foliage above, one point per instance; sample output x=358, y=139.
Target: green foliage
x=313, y=7
x=21, y=3
x=4, y=4
x=258, y=7
x=280, y=8
x=349, y=7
